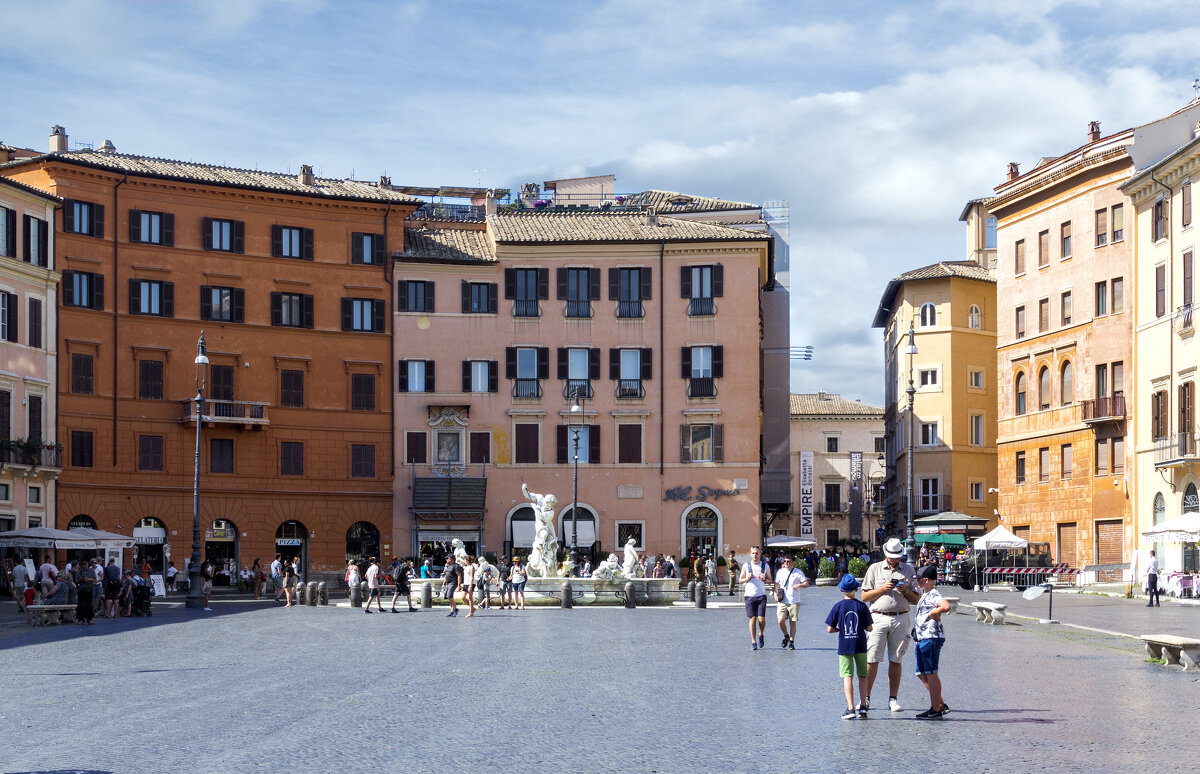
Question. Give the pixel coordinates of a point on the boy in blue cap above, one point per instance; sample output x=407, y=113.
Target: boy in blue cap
x=847, y=619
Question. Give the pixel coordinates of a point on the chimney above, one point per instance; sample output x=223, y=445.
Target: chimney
x=108, y=147
x=58, y=139
x=489, y=204
x=306, y=175
x=1093, y=131
x=1013, y=170
x=822, y=396
x=651, y=218
x=385, y=182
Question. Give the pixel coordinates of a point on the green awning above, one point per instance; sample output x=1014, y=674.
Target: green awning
x=947, y=539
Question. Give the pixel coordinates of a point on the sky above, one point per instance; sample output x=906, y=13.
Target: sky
x=877, y=121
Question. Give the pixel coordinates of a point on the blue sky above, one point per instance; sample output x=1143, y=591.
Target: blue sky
x=876, y=120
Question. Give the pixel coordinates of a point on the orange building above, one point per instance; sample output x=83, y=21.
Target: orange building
x=287, y=278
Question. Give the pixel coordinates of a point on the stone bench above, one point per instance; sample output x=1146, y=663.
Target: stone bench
x=44, y=614
x=1178, y=651
x=953, y=603
x=989, y=612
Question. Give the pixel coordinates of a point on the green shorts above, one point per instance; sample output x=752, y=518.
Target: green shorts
x=848, y=665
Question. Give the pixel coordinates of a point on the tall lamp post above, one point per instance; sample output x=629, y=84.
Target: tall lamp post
x=195, y=597
x=911, y=542
x=875, y=480
x=576, y=425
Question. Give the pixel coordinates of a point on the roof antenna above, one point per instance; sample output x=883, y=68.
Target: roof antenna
x=1196, y=89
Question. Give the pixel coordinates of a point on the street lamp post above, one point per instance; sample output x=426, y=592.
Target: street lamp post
x=875, y=480
x=195, y=597
x=576, y=426
x=911, y=542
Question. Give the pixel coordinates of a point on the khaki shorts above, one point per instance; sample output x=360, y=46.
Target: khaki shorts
x=787, y=612
x=889, y=637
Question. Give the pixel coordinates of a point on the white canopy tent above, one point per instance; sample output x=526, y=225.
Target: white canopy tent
x=999, y=538
x=787, y=541
x=1184, y=528
x=47, y=537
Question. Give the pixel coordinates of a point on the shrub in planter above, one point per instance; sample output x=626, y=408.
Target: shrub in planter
x=826, y=568
x=857, y=567
x=721, y=561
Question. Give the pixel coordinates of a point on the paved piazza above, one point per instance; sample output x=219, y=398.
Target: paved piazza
x=256, y=688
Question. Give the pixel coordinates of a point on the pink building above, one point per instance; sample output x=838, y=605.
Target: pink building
x=652, y=322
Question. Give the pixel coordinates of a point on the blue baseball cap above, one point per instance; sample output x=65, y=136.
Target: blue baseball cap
x=848, y=583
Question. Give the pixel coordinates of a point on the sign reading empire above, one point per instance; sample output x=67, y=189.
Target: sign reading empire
x=806, y=494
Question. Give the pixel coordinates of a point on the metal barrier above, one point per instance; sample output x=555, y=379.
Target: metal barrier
x=1060, y=575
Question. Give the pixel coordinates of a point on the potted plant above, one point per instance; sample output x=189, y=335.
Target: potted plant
x=721, y=569
x=685, y=564
x=857, y=567
x=825, y=572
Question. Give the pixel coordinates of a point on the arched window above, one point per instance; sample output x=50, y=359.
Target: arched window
x=82, y=521
x=1067, y=384
x=928, y=315
x=362, y=541
x=989, y=234
x=1191, y=503
x=975, y=317
x=1044, y=388
x=1160, y=508
x=1019, y=393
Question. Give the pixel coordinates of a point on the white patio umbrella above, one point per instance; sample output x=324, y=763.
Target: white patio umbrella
x=787, y=541
x=1184, y=528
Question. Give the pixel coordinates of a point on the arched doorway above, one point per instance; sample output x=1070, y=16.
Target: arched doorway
x=221, y=548
x=1191, y=551
x=81, y=521
x=701, y=530
x=522, y=528
x=291, y=542
x=362, y=542
x=149, y=536
x=584, y=530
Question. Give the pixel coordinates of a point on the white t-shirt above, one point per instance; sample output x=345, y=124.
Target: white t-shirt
x=790, y=582
x=276, y=568
x=1152, y=568
x=47, y=571
x=756, y=587
x=373, y=576
x=171, y=572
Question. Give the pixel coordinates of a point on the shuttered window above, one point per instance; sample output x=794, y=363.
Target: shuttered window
x=416, y=447
x=1109, y=549
x=526, y=448
x=1066, y=545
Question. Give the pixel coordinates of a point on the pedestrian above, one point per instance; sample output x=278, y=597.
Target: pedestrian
x=289, y=581
x=19, y=576
x=888, y=588
x=659, y=571
x=206, y=577
x=504, y=576
x=1152, y=582
x=146, y=568
x=47, y=574
x=788, y=583
x=452, y=577
x=172, y=571
x=84, y=612
x=930, y=636
x=851, y=620
x=470, y=577
x=710, y=574
x=401, y=576
x=426, y=570
x=732, y=569
x=28, y=597
x=353, y=579
x=483, y=581
x=112, y=588
x=518, y=583
x=257, y=579
x=125, y=597
x=372, y=586
x=586, y=571
x=756, y=574
x=277, y=577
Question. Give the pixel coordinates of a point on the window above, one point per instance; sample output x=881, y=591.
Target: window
x=1185, y=208
x=700, y=285
x=927, y=377
x=416, y=448
x=292, y=310
x=976, y=491
x=292, y=242
x=480, y=447
x=35, y=495
x=362, y=314
x=1102, y=456
x=1019, y=393
x=577, y=366
x=1118, y=377
x=8, y=316
x=831, y=444
x=1066, y=384
x=1019, y=257
x=526, y=446
x=1044, y=249
x=1101, y=307
x=589, y=444
x=1118, y=222
x=1160, y=290
x=478, y=297
x=1043, y=315
x=1064, y=240
x=1101, y=227
x=1020, y=467
x=1064, y=464
x=928, y=315
x=152, y=228
x=629, y=288
x=1158, y=415
x=1064, y=308
x=150, y=452
x=929, y=434
x=976, y=429
x=83, y=288
x=702, y=366
x=415, y=376
x=578, y=288
x=629, y=444
x=526, y=287
x=291, y=388
x=8, y=232
x=1102, y=380
x=1118, y=455
x=37, y=241
x=930, y=501
x=362, y=391
x=629, y=367
x=527, y=366
x=220, y=455
x=362, y=460
x=989, y=233
x=152, y=297
x=33, y=416
x=150, y=379
x=479, y=375
x=35, y=322
x=1188, y=278
x=291, y=458
x=833, y=498
x=974, y=318
x=222, y=304
x=414, y=296
x=5, y=414
x=975, y=379
x=227, y=236
x=1158, y=223
x=81, y=449
x=880, y=444
x=366, y=248
x=1020, y=322
x=1044, y=464
x=1118, y=295
x=83, y=218
x=702, y=443
x=1043, y=388
x=81, y=374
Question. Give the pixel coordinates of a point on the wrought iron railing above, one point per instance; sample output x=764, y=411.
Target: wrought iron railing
x=527, y=388
x=523, y=308
x=578, y=309
x=448, y=211
x=577, y=389
x=702, y=387
x=1110, y=407
x=1177, y=448
x=1183, y=319
x=630, y=309
x=701, y=307
x=228, y=411
x=630, y=388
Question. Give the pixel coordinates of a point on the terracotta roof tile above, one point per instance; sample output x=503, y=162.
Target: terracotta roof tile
x=608, y=227
x=829, y=404
x=672, y=201
x=453, y=245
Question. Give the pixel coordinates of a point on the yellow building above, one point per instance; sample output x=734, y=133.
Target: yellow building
x=1166, y=353
x=950, y=308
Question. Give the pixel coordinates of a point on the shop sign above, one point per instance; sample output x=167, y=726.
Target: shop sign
x=150, y=540
x=702, y=493
x=289, y=542
x=220, y=533
x=806, y=495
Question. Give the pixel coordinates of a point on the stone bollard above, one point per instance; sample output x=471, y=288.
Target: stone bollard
x=691, y=591
x=323, y=592
x=312, y=593
x=567, y=601
x=298, y=590
x=426, y=595
x=701, y=597
x=630, y=600
x=355, y=596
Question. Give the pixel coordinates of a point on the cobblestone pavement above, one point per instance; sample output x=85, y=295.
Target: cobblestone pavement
x=1128, y=616
x=257, y=688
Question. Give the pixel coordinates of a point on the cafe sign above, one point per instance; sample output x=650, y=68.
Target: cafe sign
x=699, y=495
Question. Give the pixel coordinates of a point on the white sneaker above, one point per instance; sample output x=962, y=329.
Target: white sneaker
x=209, y=609
x=894, y=705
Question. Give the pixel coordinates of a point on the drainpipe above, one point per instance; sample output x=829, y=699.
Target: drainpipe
x=662, y=349
x=1169, y=306
x=116, y=311
x=387, y=276
x=57, y=367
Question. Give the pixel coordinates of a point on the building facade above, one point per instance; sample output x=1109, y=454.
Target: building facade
x=286, y=276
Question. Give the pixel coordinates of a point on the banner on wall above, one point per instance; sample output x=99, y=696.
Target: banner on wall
x=856, y=494
x=806, y=495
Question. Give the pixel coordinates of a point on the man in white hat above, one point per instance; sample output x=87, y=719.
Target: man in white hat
x=889, y=589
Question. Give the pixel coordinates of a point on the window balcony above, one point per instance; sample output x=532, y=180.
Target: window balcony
x=630, y=310
x=630, y=388
x=522, y=308
x=236, y=413
x=578, y=310
x=580, y=389
x=37, y=457
x=1099, y=410
x=1176, y=450
x=701, y=307
x=527, y=388
x=702, y=387
x=1183, y=321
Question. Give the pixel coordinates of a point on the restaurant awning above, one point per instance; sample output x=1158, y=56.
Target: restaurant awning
x=47, y=537
x=947, y=539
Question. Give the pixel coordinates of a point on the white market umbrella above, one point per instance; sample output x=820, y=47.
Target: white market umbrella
x=1184, y=528
x=787, y=541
